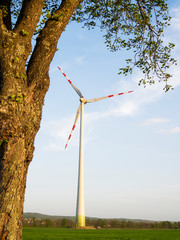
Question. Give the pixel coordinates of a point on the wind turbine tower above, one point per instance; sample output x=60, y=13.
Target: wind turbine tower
x=80, y=208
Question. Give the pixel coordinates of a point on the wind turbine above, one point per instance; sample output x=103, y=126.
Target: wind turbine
x=80, y=208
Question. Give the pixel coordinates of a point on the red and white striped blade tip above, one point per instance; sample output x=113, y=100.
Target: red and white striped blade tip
x=113, y=95
x=65, y=75
x=75, y=88
x=74, y=125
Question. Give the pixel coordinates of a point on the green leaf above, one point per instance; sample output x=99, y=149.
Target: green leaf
x=24, y=33
x=13, y=96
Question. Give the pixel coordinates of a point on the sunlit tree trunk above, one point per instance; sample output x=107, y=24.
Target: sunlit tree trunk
x=23, y=86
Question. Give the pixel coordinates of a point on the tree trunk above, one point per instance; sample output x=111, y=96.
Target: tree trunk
x=23, y=86
x=13, y=181
x=20, y=117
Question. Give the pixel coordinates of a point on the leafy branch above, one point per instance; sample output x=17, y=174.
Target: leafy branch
x=137, y=26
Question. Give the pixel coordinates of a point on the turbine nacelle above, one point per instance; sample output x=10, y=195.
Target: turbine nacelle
x=83, y=100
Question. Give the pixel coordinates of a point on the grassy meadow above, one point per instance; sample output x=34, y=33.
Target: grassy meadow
x=102, y=234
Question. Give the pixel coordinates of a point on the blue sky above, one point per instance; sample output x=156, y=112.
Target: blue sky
x=131, y=141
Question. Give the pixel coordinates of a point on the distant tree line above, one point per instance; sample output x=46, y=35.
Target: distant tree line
x=99, y=223
x=48, y=223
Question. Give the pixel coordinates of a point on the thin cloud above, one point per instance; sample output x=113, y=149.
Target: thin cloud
x=81, y=37
x=64, y=66
x=80, y=60
x=54, y=147
x=153, y=121
x=134, y=102
x=175, y=21
x=60, y=130
x=170, y=130
x=128, y=108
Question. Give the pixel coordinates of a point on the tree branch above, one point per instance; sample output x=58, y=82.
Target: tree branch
x=5, y=7
x=45, y=48
x=1, y=22
x=144, y=16
x=29, y=16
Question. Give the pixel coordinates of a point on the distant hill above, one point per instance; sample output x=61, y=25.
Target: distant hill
x=44, y=216
x=55, y=217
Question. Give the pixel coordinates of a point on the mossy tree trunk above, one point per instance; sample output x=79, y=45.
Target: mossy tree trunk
x=22, y=91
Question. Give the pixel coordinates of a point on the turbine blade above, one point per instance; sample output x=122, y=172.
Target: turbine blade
x=75, y=88
x=76, y=119
x=109, y=96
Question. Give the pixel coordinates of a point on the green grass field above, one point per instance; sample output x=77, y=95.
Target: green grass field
x=102, y=234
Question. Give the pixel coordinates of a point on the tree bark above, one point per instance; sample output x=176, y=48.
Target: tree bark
x=13, y=181
x=22, y=92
